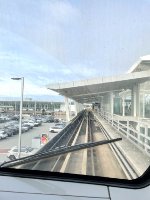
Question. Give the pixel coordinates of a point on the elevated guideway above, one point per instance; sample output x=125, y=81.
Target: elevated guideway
x=78, y=151
x=89, y=145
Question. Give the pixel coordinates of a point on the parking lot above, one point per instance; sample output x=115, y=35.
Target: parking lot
x=26, y=139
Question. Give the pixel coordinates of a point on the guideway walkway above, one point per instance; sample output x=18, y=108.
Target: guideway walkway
x=139, y=160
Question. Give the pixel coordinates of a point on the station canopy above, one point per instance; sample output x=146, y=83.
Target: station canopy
x=91, y=90
x=143, y=64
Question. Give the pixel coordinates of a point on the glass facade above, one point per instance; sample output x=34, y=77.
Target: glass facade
x=145, y=100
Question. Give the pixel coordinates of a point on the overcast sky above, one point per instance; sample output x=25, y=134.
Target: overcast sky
x=48, y=41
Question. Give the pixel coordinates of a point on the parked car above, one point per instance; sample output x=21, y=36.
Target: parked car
x=47, y=119
x=29, y=123
x=39, y=121
x=25, y=151
x=11, y=123
x=15, y=129
x=15, y=117
x=56, y=120
x=9, y=132
x=24, y=128
x=57, y=128
x=44, y=120
x=33, y=122
x=3, y=135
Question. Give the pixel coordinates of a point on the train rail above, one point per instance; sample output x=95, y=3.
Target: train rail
x=66, y=152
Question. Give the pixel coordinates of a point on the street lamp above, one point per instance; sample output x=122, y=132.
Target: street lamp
x=20, y=122
x=15, y=108
x=35, y=109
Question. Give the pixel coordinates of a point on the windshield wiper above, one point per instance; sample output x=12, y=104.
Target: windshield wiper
x=56, y=152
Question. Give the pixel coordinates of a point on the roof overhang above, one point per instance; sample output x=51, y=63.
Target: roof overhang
x=91, y=90
x=142, y=64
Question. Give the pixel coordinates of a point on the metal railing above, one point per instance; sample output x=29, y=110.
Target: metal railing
x=136, y=131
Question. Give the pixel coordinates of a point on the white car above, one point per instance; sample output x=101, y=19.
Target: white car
x=30, y=123
x=34, y=123
x=3, y=134
x=55, y=129
x=25, y=151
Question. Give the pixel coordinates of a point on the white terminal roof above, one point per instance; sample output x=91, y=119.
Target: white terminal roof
x=91, y=90
x=143, y=64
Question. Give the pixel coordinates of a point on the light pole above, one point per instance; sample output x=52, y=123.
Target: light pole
x=35, y=109
x=15, y=108
x=20, y=121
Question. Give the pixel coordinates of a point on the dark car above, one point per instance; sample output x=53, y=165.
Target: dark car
x=24, y=128
x=39, y=121
x=56, y=120
x=15, y=128
x=9, y=131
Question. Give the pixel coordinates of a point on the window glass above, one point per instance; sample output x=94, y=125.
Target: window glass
x=74, y=86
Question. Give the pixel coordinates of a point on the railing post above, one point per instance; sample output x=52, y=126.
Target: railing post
x=138, y=129
x=112, y=120
x=128, y=130
x=107, y=117
x=118, y=124
x=145, y=138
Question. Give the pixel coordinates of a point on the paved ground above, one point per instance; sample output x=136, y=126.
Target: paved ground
x=135, y=156
x=26, y=139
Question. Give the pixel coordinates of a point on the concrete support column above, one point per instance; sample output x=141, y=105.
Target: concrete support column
x=102, y=103
x=111, y=103
x=143, y=106
x=15, y=108
x=35, y=108
x=76, y=107
x=67, y=109
x=80, y=107
x=123, y=106
x=135, y=100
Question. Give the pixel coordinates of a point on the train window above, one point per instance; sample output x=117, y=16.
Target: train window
x=74, y=89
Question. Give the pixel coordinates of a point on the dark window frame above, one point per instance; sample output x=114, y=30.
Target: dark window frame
x=141, y=182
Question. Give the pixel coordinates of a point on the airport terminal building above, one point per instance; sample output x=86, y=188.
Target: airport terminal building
x=123, y=101
x=123, y=95
x=29, y=106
